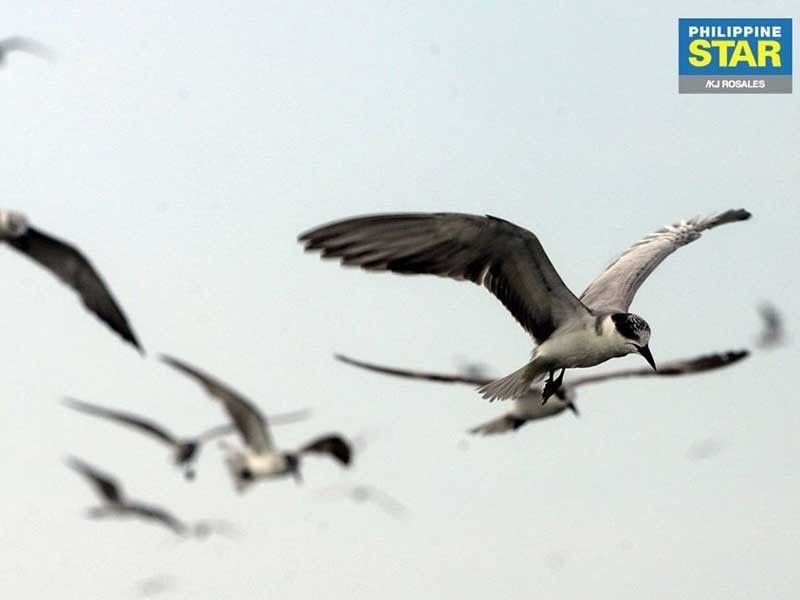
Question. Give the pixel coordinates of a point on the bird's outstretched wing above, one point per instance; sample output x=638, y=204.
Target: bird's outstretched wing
x=407, y=373
x=252, y=425
x=506, y=259
x=68, y=264
x=106, y=486
x=159, y=515
x=24, y=44
x=699, y=364
x=614, y=289
x=334, y=445
x=134, y=421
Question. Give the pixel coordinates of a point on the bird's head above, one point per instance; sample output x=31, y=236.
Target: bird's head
x=12, y=223
x=634, y=333
x=293, y=466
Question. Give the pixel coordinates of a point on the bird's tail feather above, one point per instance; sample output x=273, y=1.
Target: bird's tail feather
x=515, y=385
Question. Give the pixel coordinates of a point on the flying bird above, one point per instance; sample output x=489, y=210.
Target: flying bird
x=116, y=505
x=530, y=408
x=260, y=458
x=23, y=44
x=70, y=265
x=361, y=493
x=773, y=332
x=184, y=450
x=511, y=263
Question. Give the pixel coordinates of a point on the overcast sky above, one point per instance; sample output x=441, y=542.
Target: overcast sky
x=184, y=146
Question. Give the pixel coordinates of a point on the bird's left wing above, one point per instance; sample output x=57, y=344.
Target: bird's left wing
x=407, y=373
x=613, y=291
x=159, y=515
x=506, y=259
x=74, y=269
x=105, y=485
x=334, y=445
x=24, y=44
x=248, y=419
x=699, y=364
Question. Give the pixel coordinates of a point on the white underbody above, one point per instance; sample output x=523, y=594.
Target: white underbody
x=580, y=345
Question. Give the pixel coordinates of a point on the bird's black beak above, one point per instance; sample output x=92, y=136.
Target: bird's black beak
x=298, y=478
x=574, y=409
x=645, y=351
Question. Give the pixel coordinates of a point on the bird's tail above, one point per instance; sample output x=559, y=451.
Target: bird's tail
x=515, y=385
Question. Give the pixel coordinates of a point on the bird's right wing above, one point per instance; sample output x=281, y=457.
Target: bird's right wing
x=159, y=515
x=139, y=423
x=334, y=445
x=68, y=264
x=506, y=259
x=425, y=375
x=105, y=485
x=699, y=364
x=252, y=425
x=24, y=44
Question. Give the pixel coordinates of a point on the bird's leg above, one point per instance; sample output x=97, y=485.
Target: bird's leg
x=551, y=386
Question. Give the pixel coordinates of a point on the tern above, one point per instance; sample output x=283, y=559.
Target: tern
x=184, y=450
x=260, y=459
x=530, y=408
x=773, y=332
x=23, y=44
x=115, y=503
x=511, y=263
x=68, y=264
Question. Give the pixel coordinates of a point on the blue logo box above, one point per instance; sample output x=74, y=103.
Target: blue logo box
x=744, y=55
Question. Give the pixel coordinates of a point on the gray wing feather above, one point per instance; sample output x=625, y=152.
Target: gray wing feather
x=407, y=373
x=252, y=425
x=613, y=291
x=699, y=364
x=24, y=44
x=134, y=421
x=105, y=485
x=506, y=259
x=74, y=269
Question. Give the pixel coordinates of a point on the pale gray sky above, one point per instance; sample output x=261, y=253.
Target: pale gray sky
x=184, y=146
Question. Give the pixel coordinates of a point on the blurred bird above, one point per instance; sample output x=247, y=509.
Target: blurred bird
x=529, y=407
x=116, y=505
x=184, y=450
x=511, y=263
x=23, y=44
x=367, y=493
x=773, y=332
x=68, y=264
x=260, y=459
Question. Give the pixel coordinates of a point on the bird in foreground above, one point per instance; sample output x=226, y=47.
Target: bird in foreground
x=367, y=493
x=510, y=262
x=773, y=333
x=260, y=459
x=184, y=450
x=70, y=265
x=116, y=505
x=22, y=44
x=530, y=408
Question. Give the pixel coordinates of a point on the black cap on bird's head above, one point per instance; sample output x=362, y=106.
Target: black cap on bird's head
x=636, y=329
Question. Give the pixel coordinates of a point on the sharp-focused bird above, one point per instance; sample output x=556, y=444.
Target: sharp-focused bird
x=68, y=264
x=116, y=505
x=530, y=408
x=260, y=459
x=773, y=332
x=511, y=263
x=22, y=44
x=184, y=450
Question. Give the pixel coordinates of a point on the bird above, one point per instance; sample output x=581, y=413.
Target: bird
x=361, y=493
x=570, y=331
x=23, y=44
x=773, y=332
x=260, y=459
x=529, y=407
x=116, y=505
x=70, y=265
x=184, y=450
